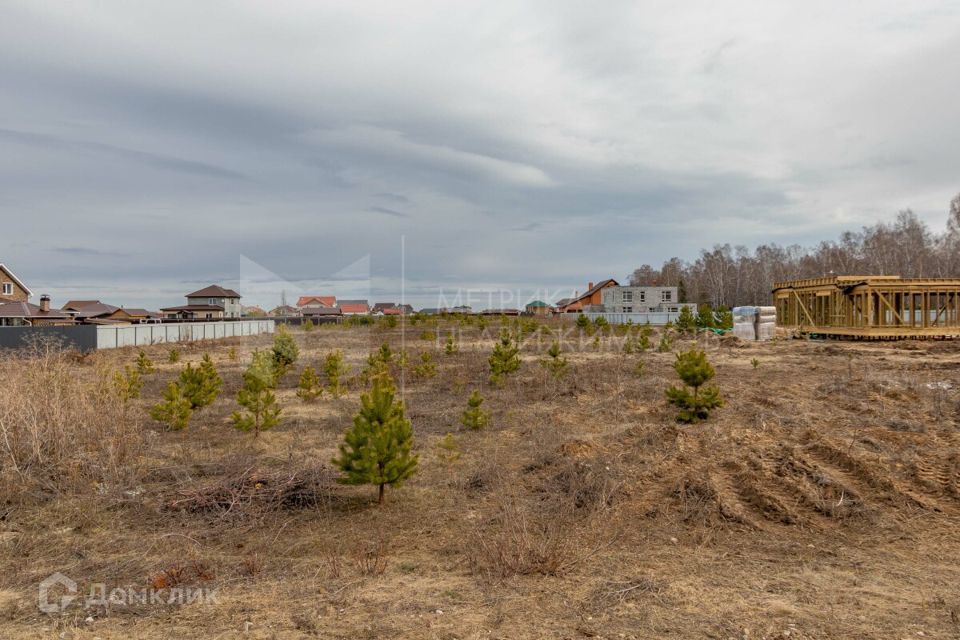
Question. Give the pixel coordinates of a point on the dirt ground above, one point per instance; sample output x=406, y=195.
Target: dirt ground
x=822, y=501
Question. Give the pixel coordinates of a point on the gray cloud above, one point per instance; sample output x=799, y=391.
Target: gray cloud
x=64, y=145
x=86, y=251
x=390, y=212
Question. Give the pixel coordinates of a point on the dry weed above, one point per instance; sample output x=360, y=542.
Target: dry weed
x=62, y=430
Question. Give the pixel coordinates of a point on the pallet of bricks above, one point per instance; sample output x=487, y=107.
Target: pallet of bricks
x=755, y=323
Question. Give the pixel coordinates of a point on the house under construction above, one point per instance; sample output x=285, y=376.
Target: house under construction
x=882, y=307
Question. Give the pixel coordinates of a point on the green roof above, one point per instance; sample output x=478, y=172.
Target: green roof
x=537, y=303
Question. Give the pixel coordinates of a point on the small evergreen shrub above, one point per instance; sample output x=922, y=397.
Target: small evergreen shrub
x=693, y=399
x=427, y=367
x=309, y=387
x=202, y=385
x=601, y=324
x=378, y=448
x=555, y=363
x=450, y=348
x=474, y=418
x=724, y=318
x=145, y=364
x=706, y=319
x=173, y=356
x=127, y=384
x=505, y=358
x=448, y=450
x=686, y=321
x=285, y=351
x=666, y=343
x=259, y=409
x=335, y=370
x=175, y=410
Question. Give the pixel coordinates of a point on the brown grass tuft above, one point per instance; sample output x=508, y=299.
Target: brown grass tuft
x=62, y=431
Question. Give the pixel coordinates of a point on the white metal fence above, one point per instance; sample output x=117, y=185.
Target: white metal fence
x=654, y=318
x=141, y=335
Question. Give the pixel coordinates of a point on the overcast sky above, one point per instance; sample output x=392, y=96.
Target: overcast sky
x=150, y=148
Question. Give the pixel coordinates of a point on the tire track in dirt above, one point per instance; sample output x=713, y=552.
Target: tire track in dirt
x=729, y=500
x=875, y=481
x=810, y=496
x=939, y=477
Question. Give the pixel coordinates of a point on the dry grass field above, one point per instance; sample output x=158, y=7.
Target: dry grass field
x=823, y=501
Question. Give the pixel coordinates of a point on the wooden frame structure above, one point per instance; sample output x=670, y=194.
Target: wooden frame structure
x=883, y=307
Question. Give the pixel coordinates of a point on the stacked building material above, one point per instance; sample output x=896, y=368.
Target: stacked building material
x=766, y=323
x=744, y=322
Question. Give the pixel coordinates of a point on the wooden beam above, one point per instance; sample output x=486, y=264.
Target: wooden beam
x=883, y=299
x=804, y=309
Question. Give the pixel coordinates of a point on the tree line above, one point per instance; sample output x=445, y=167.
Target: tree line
x=733, y=275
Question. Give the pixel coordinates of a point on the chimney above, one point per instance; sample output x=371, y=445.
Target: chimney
x=44, y=303
x=589, y=286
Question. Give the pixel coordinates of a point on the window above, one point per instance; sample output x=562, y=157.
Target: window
x=211, y=301
x=643, y=296
x=666, y=296
x=628, y=296
x=8, y=288
x=628, y=309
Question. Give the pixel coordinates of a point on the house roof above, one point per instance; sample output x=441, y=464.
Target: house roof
x=284, y=309
x=94, y=310
x=323, y=301
x=322, y=311
x=194, y=307
x=77, y=305
x=600, y=285
x=537, y=303
x=381, y=306
x=354, y=306
x=28, y=310
x=589, y=292
x=214, y=291
x=134, y=312
x=13, y=277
